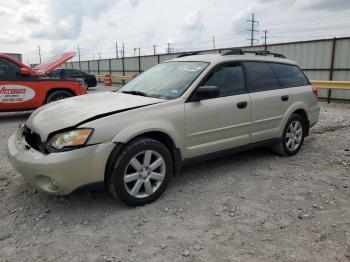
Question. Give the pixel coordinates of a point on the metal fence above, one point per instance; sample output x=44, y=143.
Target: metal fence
x=321, y=59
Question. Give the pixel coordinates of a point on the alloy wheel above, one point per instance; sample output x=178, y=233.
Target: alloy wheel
x=294, y=135
x=144, y=174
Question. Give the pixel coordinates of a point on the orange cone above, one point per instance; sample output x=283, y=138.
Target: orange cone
x=107, y=80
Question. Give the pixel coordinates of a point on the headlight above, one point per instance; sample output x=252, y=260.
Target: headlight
x=71, y=138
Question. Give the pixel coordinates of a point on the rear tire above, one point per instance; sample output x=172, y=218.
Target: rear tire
x=58, y=95
x=140, y=171
x=293, y=136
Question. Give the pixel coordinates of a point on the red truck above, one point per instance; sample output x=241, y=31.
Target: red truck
x=24, y=88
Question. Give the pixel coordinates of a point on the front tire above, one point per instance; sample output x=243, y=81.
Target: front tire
x=140, y=172
x=293, y=136
x=58, y=95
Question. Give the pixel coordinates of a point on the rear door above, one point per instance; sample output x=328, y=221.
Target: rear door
x=17, y=92
x=219, y=123
x=269, y=101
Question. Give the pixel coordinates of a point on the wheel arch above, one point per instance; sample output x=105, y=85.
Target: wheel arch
x=156, y=134
x=297, y=108
x=52, y=90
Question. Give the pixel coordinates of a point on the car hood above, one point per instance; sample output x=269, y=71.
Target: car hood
x=54, y=62
x=77, y=110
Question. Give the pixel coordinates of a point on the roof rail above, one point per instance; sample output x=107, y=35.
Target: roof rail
x=238, y=51
x=188, y=54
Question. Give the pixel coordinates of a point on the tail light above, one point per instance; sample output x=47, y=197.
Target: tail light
x=315, y=91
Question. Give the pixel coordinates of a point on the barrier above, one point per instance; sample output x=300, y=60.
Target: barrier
x=330, y=85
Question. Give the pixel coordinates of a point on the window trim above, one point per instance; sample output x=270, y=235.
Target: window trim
x=191, y=97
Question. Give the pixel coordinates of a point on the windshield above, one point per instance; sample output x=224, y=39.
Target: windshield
x=167, y=80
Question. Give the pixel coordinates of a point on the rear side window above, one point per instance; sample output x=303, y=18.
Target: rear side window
x=229, y=78
x=260, y=77
x=289, y=75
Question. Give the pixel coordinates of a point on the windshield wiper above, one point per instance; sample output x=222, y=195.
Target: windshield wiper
x=133, y=92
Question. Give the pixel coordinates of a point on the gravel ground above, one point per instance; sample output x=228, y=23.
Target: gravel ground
x=253, y=206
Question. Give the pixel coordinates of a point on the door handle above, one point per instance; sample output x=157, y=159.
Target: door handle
x=285, y=98
x=242, y=105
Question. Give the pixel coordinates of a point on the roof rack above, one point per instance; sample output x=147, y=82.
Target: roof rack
x=188, y=54
x=238, y=51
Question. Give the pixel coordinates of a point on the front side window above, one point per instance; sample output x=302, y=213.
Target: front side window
x=8, y=69
x=229, y=78
x=167, y=80
x=289, y=75
x=260, y=77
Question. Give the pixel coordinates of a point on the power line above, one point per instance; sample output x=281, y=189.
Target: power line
x=39, y=52
x=252, y=30
x=265, y=38
x=79, y=57
x=168, y=49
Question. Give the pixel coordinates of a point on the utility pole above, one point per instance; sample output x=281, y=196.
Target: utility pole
x=265, y=38
x=39, y=51
x=168, y=49
x=154, y=49
x=134, y=51
x=139, y=51
x=79, y=57
x=116, y=49
x=213, y=42
x=252, y=30
x=123, y=50
x=99, y=56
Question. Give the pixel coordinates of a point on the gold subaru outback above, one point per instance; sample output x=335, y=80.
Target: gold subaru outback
x=185, y=109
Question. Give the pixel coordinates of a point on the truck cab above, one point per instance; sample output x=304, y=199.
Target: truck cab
x=24, y=88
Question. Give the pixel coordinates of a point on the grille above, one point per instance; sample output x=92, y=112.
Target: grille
x=33, y=139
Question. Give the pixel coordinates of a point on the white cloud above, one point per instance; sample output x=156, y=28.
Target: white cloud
x=5, y=11
x=9, y=38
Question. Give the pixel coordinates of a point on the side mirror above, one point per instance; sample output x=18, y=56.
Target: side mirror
x=24, y=71
x=205, y=92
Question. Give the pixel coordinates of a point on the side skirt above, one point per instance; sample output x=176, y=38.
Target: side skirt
x=230, y=151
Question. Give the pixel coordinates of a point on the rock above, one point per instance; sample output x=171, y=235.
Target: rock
x=322, y=237
x=185, y=253
x=164, y=246
x=232, y=214
x=267, y=238
x=166, y=209
x=306, y=216
x=217, y=214
x=197, y=248
x=5, y=236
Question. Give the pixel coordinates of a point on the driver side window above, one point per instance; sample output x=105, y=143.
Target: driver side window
x=8, y=70
x=229, y=78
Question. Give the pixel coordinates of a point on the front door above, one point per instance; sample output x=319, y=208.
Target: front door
x=219, y=123
x=17, y=92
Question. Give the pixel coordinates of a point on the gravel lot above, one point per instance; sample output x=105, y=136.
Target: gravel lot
x=253, y=206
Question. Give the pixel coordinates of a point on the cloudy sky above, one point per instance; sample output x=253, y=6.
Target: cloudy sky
x=60, y=25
